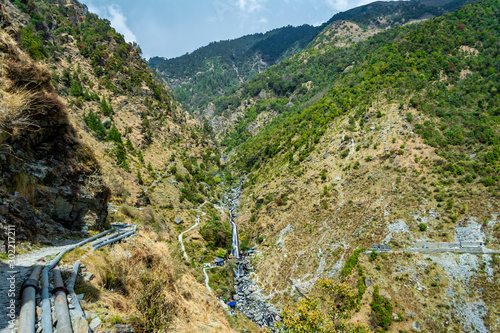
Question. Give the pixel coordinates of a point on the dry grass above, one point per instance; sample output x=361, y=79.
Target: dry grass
x=143, y=283
x=28, y=100
x=122, y=273
x=13, y=110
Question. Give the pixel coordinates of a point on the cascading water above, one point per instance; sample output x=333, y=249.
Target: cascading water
x=236, y=246
x=248, y=298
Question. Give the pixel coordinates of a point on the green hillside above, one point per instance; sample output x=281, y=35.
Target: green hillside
x=447, y=68
x=397, y=12
x=212, y=70
x=391, y=141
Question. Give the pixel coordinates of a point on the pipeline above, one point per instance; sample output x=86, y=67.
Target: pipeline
x=74, y=299
x=46, y=314
x=63, y=324
x=103, y=239
x=29, y=288
x=115, y=239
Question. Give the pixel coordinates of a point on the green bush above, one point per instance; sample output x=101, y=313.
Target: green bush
x=94, y=123
x=382, y=309
x=33, y=44
x=409, y=117
x=351, y=262
x=422, y=227
x=216, y=233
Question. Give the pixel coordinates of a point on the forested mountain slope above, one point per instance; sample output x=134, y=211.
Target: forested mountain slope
x=284, y=88
x=213, y=70
x=113, y=147
x=395, y=141
x=218, y=68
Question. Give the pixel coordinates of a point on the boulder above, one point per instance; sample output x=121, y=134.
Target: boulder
x=178, y=220
x=79, y=323
x=95, y=323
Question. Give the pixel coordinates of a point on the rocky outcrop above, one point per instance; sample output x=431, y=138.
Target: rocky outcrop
x=50, y=182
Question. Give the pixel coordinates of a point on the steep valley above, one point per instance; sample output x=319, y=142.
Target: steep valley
x=361, y=171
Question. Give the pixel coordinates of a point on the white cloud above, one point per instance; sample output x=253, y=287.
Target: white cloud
x=119, y=22
x=342, y=5
x=250, y=6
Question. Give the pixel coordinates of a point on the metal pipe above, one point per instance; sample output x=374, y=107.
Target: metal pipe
x=46, y=314
x=27, y=314
x=115, y=239
x=63, y=324
x=103, y=239
x=74, y=298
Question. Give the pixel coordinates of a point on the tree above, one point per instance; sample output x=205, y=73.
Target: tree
x=95, y=125
x=140, y=156
x=114, y=135
x=76, y=88
x=139, y=178
x=105, y=107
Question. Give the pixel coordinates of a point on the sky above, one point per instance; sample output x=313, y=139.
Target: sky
x=171, y=28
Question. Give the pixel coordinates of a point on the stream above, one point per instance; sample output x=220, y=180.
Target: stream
x=248, y=299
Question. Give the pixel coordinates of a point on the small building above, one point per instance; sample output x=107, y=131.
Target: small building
x=218, y=261
x=380, y=248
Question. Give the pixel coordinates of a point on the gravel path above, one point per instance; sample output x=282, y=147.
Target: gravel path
x=20, y=271
x=180, y=237
x=194, y=226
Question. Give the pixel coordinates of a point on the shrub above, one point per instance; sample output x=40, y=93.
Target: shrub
x=216, y=233
x=382, y=308
x=373, y=256
x=351, y=262
x=344, y=153
x=409, y=117
x=33, y=44
x=422, y=227
x=488, y=181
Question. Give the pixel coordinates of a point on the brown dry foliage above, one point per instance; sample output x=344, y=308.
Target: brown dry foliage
x=28, y=99
x=142, y=274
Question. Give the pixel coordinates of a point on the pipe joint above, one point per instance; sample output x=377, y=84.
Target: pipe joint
x=60, y=288
x=30, y=283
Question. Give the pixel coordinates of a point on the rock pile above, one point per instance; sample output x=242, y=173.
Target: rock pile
x=251, y=303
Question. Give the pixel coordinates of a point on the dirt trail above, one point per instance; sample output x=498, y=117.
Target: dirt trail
x=23, y=266
x=194, y=226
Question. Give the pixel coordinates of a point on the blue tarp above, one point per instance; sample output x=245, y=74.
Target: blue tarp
x=233, y=303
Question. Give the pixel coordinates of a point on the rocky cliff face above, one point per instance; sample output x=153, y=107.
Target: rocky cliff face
x=50, y=182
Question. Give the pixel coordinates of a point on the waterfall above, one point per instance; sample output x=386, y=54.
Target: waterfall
x=249, y=300
x=235, y=242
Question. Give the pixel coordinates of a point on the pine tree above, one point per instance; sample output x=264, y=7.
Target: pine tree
x=105, y=107
x=140, y=156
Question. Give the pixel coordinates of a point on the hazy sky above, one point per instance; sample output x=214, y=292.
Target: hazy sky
x=170, y=28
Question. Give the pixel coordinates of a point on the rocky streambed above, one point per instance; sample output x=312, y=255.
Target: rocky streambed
x=248, y=299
